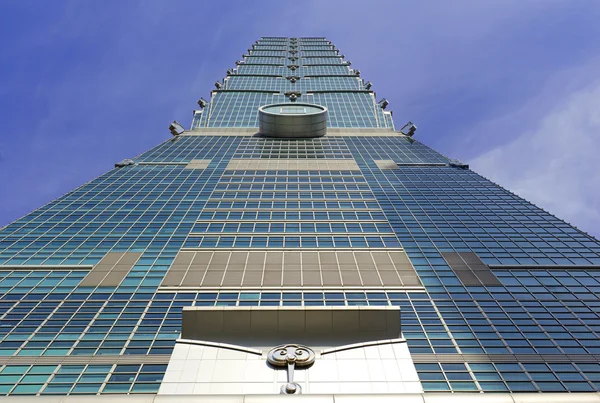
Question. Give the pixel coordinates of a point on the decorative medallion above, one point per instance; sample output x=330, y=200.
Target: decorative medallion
x=291, y=356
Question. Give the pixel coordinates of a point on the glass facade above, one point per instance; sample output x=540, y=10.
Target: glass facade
x=76, y=322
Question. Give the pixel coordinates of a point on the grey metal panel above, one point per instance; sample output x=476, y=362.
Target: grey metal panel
x=202, y=258
x=94, y=278
x=212, y=279
x=256, y=258
x=385, y=164
x=270, y=268
x=399, y=258
x=253, y=278
x=272, y=278
x=114, y=278
x=274, y=258
x=327, y=258
x=111, y=270
x=311, y=278
x=410, y=278
x=331, y=278
x=174, y=277
x=382, y=259
x=238, y=258
x=193, y=278
x=110, y=259
x=292, y=278
x=233, y=278
x=198, y=164
x=260, y=164
x=129, y=258
x=369, y=277
x=390, y=277
x=184, y=258
x=351, y=278
x=346, y=259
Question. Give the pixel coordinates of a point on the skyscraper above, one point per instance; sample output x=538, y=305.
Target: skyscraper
x=293, y=242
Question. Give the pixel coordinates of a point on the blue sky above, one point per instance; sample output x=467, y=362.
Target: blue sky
x=511, y=87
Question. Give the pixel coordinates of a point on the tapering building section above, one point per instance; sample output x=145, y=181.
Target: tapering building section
x=293, y=242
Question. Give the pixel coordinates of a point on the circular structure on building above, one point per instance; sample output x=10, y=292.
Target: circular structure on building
x=292, y=120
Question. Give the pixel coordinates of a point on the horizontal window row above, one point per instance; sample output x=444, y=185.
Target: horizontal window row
x=339, y=195
x=80, y=379
x=291, y=242
x=513, y=377
x=275, y=227
x=291, y=187
x=250, y=176
x=316, y=205
x=292, y=215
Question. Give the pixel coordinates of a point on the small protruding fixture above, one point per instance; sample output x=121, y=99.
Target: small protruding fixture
x=409, y=129
x=124, y=163
x=237, y=62
x=357, y=72
x=176, y=128
x=229, y=72
x=383, y=103
x=457, y=164
x=368, y=85
x=218, y=85
x=202, y=103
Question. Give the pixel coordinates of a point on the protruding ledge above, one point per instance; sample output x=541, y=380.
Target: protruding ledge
x=292, y=120
x=270, y=325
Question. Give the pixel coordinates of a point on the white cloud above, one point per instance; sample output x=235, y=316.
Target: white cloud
x=554, y=165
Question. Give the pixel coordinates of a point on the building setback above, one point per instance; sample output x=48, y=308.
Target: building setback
x=294, y=242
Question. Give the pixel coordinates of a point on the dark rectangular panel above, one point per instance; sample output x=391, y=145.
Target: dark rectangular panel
x=470, y=270
x=488, y=278
x=468, y=278
x=471, y=258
